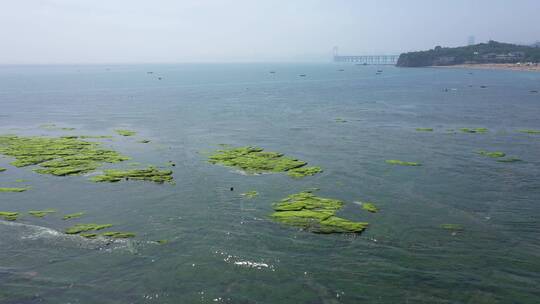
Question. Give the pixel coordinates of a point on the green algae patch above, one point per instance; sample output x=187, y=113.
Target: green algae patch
x=95, y=136
x=13, y=189
x=89, y=235
x=55, y=127
x=304, y=171
x=336, y=224
x=149, y=174
x=255, y=160
x=41, y=213
x=250, y=194
x=2, y=169
x=56, y=155
x=474, y=130
x=313, y=213
x=402, y=163
x=9, y=216
x=370, y=207
x=48, y=126
x=509, y=160
x=20, y=180
x=125, y=132
x=530, y=131
x=109, y=234
x=424, y=129
x=118, y=235
x=452, y=227
x=495, y=154
x=72, y=215
x=86, y=227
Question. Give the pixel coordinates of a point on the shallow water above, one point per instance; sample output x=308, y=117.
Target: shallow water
x=222, y=247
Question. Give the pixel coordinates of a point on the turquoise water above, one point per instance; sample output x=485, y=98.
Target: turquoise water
x=223, y=248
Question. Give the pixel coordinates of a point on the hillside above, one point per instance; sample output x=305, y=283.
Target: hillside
x=491, y=52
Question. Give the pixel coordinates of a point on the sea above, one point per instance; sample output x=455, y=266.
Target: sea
x=200, y=240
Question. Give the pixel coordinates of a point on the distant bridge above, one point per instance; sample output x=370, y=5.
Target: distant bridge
x=370, y=59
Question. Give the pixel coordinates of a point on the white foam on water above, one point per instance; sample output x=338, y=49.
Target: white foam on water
x=228, y=258
x=251, y=264
x=35, y=232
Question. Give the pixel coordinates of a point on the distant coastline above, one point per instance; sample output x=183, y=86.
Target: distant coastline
x=493, y=66
x=492, y=54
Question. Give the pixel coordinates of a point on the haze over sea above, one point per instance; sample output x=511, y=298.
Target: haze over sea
x=222, y=247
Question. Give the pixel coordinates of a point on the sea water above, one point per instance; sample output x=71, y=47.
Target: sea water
x=224, y=248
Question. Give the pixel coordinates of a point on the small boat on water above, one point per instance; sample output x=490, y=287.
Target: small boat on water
x=302, y=75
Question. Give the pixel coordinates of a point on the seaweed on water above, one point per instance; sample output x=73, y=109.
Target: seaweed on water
x=509, y=160
x=256, y=160
x=56, y=155
x=41, y=213
x=250, y=194
x=424, y=129
x=76, y=229
x=118, y=235
x=123, y=132
x=72, y=215
x=452, y=227
x=495, y=154
x=2, y=169
x=402, y=163
x=63, y=156
x=51, y=126
x=149, y=174
x=94, y=136
x=474, y=130
x=89, y=235
x=304, y=171
x=13, y=189
x=370, y=207
x=315, y=214
x=9, y=216
x=528, y=131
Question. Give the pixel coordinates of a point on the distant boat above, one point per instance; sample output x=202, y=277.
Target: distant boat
x=159, y=78
x=341, y=70
x=149, y=72
x=379, y=71
x=302, y=75
x=272, y=72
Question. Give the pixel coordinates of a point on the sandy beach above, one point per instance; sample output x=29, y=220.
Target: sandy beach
x=496, y=66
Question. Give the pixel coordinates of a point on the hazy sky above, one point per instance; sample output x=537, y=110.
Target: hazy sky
x=108, y=31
